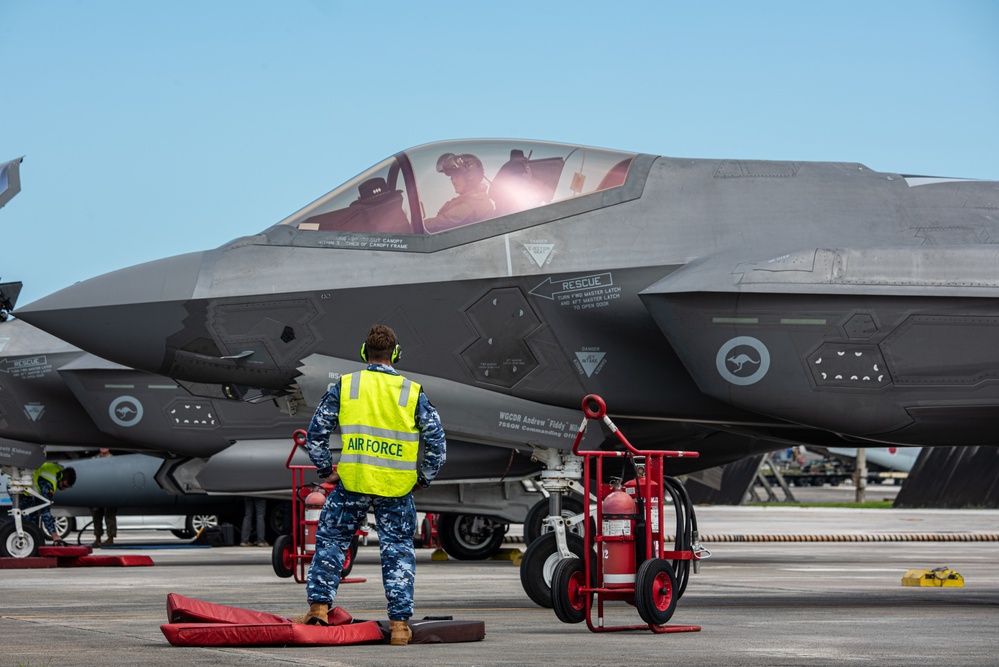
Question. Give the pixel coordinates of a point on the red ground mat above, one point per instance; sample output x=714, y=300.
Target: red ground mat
x=106, y=561
x=81, y=556
x=27, y=563
x=64, y=552
x=199, y=623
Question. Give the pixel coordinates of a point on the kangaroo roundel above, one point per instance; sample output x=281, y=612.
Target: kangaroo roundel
x=743, y=360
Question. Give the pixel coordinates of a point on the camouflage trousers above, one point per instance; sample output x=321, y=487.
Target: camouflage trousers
x=342, y=515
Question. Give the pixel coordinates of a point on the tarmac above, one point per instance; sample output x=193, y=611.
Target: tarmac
x=824, y=602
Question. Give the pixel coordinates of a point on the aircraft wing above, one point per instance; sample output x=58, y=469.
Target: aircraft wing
x=863, y=342
x=10, y=180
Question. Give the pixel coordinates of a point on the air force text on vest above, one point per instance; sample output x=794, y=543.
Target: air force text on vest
x=365, y=444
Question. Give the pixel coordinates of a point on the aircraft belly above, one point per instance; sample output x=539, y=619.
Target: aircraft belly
x=886, y=368
x=258, y=466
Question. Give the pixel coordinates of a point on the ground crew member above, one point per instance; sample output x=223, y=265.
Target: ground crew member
x=382, y=418
x=104, y=516
x=47, y=478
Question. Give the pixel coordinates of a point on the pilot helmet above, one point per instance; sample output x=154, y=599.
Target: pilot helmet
x=449, y=164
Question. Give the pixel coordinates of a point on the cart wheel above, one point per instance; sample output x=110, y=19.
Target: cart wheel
x=655, y=591
x=24, y=546
x=281, y=557
x=349, y=556
x=537, y=566
x=569, y=603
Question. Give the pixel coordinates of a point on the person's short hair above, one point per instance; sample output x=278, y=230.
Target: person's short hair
x=67, y=475
x=380, y=343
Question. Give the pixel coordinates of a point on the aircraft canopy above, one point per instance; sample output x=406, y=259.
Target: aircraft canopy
x=441, y=186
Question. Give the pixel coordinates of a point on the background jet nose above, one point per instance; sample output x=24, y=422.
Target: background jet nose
x=124, y=316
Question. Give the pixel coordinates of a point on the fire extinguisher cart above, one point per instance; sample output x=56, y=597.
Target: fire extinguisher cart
x=625, y=557
x=292, y=554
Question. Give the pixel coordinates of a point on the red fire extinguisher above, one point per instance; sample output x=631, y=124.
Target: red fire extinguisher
x=618, y=528
x=636, y=487
x=313, y=508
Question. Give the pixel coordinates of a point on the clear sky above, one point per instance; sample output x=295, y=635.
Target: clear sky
x=153, y=128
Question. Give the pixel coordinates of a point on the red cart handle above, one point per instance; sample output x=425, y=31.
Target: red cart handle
x=299, y=437
x=594, y=407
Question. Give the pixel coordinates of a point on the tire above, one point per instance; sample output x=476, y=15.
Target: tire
x=194, y=523
x=569, y=604
x=424, y=538
x=655, y=591
x=274, y=521
x=537, y=566
x=349, y=557
x=470, y=536
x=64, y=526
x=281, y=557
x=12, y=546
x=534, y=524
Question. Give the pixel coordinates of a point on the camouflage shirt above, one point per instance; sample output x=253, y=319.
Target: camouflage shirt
x=428, y=422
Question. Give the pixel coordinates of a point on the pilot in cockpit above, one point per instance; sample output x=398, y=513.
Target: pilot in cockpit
x=472, y=203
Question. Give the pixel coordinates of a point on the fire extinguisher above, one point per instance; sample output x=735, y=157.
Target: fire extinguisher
x=618, y=528
x=636, y=488
x=313, y=508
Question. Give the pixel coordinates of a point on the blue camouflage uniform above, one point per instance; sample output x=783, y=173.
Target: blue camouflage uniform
x=344, y=511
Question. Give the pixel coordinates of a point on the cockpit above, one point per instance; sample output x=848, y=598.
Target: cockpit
x=442, y=186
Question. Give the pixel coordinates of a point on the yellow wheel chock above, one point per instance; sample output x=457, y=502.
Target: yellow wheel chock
x=940, y=577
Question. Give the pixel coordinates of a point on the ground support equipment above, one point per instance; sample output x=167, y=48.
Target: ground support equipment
x=646, y=573
x=941, y=577
x=291, y=555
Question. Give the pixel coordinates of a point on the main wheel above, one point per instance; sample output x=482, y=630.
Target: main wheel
x=25, y=546
x=281, y=557
x=537, y=566
x=567, y=600
x=195, y=523
x=64, y=526
x=535, y=526
x=655, y=591
x=470, y=536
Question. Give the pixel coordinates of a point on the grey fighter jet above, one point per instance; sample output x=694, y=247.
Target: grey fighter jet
x=58, y=398
x=10, y=180
x=725, y=306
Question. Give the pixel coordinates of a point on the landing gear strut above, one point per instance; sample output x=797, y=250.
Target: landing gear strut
x=537, y=566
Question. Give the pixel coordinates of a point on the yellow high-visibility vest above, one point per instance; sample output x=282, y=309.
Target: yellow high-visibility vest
x=379, y=434
x=48, y=471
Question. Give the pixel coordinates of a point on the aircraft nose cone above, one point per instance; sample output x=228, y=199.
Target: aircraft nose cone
x=124, y=316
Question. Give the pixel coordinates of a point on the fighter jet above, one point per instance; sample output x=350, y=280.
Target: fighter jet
x=725, y=306
x=10, y=180
x=60, y=399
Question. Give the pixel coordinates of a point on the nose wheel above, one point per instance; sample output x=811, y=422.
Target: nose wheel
x=25, y=545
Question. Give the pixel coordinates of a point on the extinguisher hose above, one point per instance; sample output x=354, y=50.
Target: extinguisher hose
x=686, y=526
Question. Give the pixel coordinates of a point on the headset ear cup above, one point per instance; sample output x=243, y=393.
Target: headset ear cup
x=396, y=353
x=364, y=353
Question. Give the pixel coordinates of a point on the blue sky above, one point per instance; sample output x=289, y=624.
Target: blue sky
x=156, y=128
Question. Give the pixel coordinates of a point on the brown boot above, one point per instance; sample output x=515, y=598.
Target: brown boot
x=318, y=615
x=401, y=634
x=108, y=542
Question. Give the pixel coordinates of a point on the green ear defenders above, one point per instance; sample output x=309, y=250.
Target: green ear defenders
x=396, y=353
